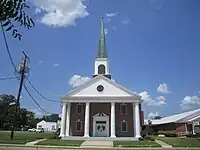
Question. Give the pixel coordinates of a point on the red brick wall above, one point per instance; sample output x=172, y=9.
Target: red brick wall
x=74, y=117
x=128, y=118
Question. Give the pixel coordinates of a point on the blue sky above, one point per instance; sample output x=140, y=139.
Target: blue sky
x=149, y=43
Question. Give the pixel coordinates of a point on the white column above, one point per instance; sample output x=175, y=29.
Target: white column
x=87, y=120
x=112, y=123
x=136, y=120
x=68, y=119
x=63, y=121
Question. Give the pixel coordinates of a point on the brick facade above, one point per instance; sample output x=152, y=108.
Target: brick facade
x=176, y=128
x=103, y=108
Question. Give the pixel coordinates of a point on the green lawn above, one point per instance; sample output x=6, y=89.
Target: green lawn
x=22, y=137
x=181, y=142
x=57, y=142
x=135, y=144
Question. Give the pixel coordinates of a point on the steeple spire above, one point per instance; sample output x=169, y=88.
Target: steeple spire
x=102, y=42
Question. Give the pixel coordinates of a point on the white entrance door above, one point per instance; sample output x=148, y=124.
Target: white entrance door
x=101, y=125
x=101, y=129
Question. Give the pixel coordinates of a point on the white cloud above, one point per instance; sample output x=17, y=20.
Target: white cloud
x=106, y=31
x=163, y=88
x=77, y=80
x=55, y=65
x=125, y=21
x=148, y=100
x=61, y=13
x=161, y=100
x=190, y=102
x=38, y=10
x=111, y=14
x=157, y=4
x=152, y=115
x=146, y=97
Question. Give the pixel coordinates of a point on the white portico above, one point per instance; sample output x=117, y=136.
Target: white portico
x=88, y=94
x=101, y=107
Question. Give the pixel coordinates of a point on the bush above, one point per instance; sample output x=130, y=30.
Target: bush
x=155, y=133
x=149, y=138
x=141, y=139
x=170, y=135
x=192, y=135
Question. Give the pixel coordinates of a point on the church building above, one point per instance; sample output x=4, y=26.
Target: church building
x=101, y=107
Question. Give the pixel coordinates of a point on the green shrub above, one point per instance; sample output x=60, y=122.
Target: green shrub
x=155, y=133
x=149, y=138
x=141, y=139
x=192, y=135
x=170, y=135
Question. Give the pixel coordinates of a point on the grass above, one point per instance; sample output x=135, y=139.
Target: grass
x=57, y=142
x=146, y=143
x=181, y=142
x=22, y=137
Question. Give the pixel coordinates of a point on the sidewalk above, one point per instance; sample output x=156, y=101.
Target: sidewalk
x=163, y=144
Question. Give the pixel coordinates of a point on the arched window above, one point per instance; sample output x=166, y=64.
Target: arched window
x=101, y=69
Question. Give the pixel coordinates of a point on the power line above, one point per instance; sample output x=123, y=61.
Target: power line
x=40, y=92
x=9, y=78
x=7, y=48
x=42, y=109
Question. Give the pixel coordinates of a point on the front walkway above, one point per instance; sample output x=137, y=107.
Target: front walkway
x=163, y=144
x=97, y=144
x=34, y=142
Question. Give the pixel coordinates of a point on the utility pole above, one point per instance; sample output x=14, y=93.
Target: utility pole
x=23, y=69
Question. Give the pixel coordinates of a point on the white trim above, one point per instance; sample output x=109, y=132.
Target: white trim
x=126, y=125
x=81, y=99
x=79, y=104
x=121, y=109
x=81, y=125
x=100, y=118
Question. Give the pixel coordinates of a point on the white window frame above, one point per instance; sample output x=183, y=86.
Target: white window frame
x=124, y=121
x=121, y=109
x=77, y=108
x=81, y=126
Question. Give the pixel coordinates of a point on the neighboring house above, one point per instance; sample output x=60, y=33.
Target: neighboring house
x=47, y=126
x=180, y=124
x=101, y=107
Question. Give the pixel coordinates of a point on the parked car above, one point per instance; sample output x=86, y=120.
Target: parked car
x=39, y=130
x=32, y=130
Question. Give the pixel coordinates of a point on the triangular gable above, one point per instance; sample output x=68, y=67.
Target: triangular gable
x=89, y=89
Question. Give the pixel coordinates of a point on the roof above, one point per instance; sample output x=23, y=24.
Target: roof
x=95, y=79
x=102, y=42
x=43, y=121
x=177, y=118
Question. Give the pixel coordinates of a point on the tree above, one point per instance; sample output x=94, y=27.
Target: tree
x=6, y=109
x=51, y=118
x=7, y=113
x=13, y=11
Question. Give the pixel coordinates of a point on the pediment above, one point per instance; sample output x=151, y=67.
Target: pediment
x=110, y=89
x=100, y=115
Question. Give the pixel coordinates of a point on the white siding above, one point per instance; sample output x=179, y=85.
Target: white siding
x=47, y=126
